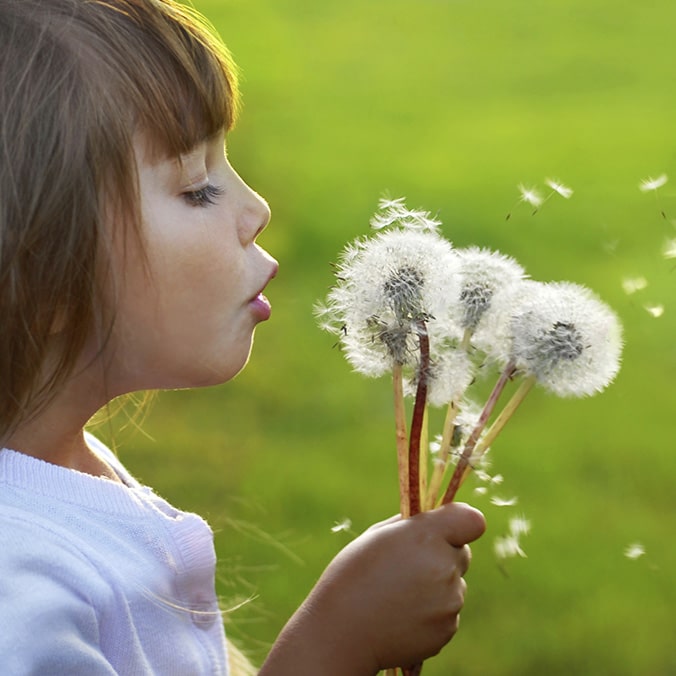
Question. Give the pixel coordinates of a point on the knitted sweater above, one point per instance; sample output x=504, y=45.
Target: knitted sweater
x=99, y=577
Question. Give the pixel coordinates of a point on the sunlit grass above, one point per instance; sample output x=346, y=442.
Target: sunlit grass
x=452, y=104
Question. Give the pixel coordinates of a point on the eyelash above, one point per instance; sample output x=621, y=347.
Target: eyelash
x=203, y=197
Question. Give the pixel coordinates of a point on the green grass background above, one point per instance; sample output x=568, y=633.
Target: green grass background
x=451, y=103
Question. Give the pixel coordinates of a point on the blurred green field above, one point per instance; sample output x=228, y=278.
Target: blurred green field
x=451, y=104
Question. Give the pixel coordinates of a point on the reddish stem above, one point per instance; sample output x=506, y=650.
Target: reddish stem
x=417, y=422
x=463, y=462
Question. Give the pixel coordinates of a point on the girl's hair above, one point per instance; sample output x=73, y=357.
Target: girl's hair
x=78, y=79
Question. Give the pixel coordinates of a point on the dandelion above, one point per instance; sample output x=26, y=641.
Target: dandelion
x=655, y=311
x=559, y=188
x=631, y=285
x=389, y=286
x=567, y=339
x=483, y=274
x=652, y=184
x=634, y=551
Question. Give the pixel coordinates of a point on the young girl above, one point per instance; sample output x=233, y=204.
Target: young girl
x=128, y=261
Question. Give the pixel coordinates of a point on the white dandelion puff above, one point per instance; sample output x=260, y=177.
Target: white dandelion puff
x=483, y=273
x=669, y=249
x=634, y=551
x=651, y=184
x=389, y=288
x=631, y=285
x=530, y=195
x=568, y=339
x=559, y=188
x=655, y=311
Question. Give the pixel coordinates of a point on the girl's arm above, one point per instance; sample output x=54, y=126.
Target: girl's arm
x=390, y=598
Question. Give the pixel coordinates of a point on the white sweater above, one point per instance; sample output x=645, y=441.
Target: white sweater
x=98, y=577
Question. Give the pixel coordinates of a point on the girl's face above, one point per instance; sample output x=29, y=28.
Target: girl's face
x=185, y=313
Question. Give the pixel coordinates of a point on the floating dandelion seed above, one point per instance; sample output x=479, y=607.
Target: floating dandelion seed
x=530, y=195
x=634, y=551
x=669, y=249
x=568, y=339
x=508, y=546
x=655, y=311
x=651, y=184
x=501, y=502
x=559, y=188
x=631, y=285
x=343, y=526
x=394, y=212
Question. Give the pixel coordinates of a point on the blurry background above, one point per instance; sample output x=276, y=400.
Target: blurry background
x=451, y=103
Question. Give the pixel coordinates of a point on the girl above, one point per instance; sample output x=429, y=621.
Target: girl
x=128, y=261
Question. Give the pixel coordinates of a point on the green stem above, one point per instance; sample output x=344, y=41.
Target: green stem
x=401, y=439
x=499, y=423
x=442, y=457
x=464, y=461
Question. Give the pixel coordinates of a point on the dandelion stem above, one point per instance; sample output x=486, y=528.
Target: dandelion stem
x=401, y=438
x=417, y=422
x=503, y=417
x=424, y=459
x=442, y=457
x=464, y=461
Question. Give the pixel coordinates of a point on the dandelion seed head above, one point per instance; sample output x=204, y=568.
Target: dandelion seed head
x=559, y=188
x=631, y=285
x=650, y=184
x=655, y=311
x=634, y=551
x=482, y=274
x=530, y=195
x=568, y=339
x=388, y=286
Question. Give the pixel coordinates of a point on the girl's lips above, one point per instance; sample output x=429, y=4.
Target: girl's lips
x=259, y=303
x=261, y=307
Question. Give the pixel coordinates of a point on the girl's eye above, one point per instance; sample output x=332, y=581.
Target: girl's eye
x=203, y=197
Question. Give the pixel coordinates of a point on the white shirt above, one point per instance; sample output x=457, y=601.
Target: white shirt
x=99, y=577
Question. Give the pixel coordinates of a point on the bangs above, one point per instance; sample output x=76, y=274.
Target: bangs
x=181, y=87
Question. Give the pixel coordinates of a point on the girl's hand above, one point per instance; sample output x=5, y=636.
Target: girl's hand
x=390, y=598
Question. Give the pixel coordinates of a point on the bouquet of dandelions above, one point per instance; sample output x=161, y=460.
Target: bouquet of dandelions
x=407, y=303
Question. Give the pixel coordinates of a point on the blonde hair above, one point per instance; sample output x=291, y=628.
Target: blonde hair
x=79, y=78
